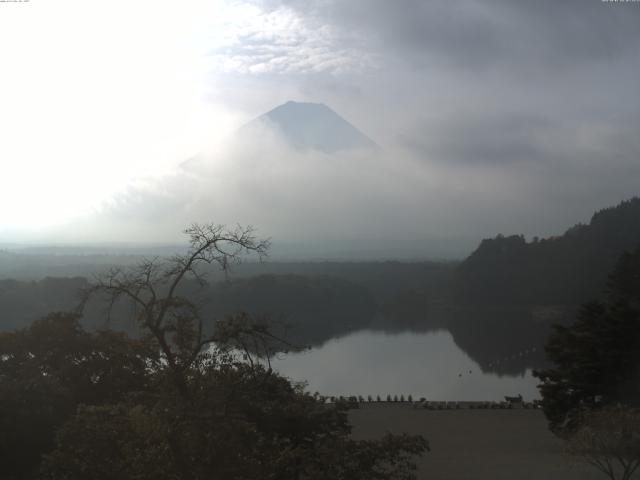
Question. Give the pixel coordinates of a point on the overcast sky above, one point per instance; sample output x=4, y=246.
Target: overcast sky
x=507, y=116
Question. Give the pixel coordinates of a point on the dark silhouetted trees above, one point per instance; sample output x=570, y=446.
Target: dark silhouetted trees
x=183, y=402
x=567, y=269
x=596, y=361
x=50, y=368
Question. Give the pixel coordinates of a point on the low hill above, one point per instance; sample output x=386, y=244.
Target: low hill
x=567, y=269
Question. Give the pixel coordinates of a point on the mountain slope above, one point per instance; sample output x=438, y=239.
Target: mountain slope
x=310, y=126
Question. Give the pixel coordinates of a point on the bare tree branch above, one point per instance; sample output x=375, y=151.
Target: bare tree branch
x=152, y=288
x=609, y=440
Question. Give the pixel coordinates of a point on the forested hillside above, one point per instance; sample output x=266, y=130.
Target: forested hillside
x=313, y=309
x=318, y=300
x=23, y=302
x=568, y=269
x=500, y=302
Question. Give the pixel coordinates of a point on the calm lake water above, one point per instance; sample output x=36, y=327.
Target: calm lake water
x=421, y=364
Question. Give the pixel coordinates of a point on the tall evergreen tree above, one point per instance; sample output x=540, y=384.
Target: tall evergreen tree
x=597, y=359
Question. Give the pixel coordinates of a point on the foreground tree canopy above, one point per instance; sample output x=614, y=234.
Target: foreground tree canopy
x=180, y=401
x=597, y=359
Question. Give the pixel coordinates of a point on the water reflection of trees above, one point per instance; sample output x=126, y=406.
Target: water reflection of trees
x=318, y=308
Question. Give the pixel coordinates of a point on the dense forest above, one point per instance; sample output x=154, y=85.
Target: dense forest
x=186, y=399
x=567, y=269
x=499, y=303
x=318, y=300
x=509, y=293
x=596, y=359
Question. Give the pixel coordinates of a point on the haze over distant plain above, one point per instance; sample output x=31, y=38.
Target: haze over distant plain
x=492, y=116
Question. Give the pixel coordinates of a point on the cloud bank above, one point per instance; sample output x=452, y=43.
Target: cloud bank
x=494, y=116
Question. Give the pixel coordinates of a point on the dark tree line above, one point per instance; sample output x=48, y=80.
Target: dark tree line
x=596, y=360
x=567, y=269
x=181, y=401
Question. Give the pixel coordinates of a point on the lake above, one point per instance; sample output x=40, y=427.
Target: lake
x=426, y=365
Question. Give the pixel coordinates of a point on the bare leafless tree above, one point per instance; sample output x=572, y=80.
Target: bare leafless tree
x=609, y=440
x=174, y=321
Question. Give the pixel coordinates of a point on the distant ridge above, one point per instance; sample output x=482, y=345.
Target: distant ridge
x=311, y=126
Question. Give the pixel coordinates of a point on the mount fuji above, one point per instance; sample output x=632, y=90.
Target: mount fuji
x=310, y=126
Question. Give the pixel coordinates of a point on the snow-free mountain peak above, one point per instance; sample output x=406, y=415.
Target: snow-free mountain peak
x=312, y=126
